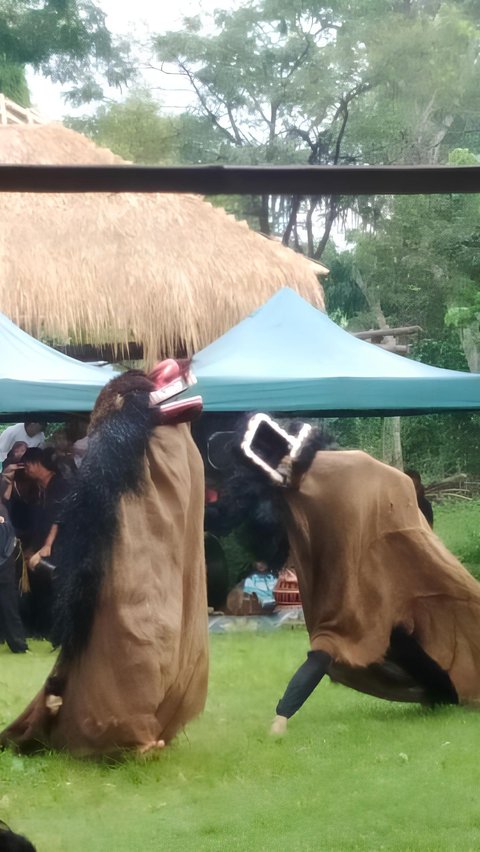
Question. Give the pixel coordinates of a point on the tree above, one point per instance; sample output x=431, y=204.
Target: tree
x=132, y=129
x=256, y=80
x=422, y=259
x=66, y=40
x=13, y=83
x=344, y=301
x=136, y=130
x=368, y=81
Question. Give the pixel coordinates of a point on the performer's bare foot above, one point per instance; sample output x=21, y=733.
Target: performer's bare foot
x=154, y=745
x=53, y=703
x=279, y=726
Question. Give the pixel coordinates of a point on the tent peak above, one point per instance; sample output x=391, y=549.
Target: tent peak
x=289, y=356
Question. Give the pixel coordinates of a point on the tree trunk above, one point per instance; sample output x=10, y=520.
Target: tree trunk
x=264, y=216
x=470, y=338
x=392, y=442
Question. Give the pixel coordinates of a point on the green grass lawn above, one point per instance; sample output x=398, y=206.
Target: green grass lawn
x=353, y=773
x=458, y=525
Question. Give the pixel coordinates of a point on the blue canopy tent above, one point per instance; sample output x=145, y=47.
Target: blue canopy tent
x=36, y=378
x=289, y=356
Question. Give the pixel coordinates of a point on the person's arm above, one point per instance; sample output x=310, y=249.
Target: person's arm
x=6, y=481
x=302, y=684
x=6, y=486
x=45, y=550
x=62, y=489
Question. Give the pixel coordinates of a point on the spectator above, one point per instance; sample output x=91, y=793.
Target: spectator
x=11, y=627
x=423, y=504
x=77, y=432
x=62, y=446
x=15, y=455
x=41, y=467
x=30, y=432
x=22, y=492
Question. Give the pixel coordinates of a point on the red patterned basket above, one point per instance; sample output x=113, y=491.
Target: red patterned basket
x=286, y=591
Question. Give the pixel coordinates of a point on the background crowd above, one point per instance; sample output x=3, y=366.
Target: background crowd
x=37, y=473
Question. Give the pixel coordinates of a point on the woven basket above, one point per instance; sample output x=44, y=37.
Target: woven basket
x=286, y=591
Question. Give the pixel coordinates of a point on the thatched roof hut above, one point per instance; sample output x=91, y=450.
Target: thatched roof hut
x=171, y=272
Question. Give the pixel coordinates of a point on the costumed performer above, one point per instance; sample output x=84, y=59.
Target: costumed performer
x=389, y=610
x=131, y=612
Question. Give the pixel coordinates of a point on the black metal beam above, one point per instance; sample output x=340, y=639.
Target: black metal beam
x=244, y=180
x=103, y=351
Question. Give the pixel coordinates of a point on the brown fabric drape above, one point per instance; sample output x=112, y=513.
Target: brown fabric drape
x=144, y=673
x=367, y=562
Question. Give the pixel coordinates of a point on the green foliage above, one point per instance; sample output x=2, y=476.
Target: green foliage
x=422, y=255
x=414, y=260
x=13, y=83
x=136, y=130
x=358, y=433
x=132, y=129
x=442, y=351
x=66, y=40
x=459, y=317
x=439, y=445
x=423, y=56
x=343, y=296
x=462, y=157
x=458, y=523
x=391, y=259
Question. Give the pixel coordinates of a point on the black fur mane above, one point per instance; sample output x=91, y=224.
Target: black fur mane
x=113, y=466
x=252, y=503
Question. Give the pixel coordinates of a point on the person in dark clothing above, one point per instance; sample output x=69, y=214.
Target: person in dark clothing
x=423, y=504
x=22, y=493
x=41, y=467
x=11, y=626
x=12, y=842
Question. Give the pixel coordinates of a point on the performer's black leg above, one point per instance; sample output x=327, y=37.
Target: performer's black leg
x=303, y=682
x=406, y=651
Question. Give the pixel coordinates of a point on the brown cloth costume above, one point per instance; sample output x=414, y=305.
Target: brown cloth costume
x=143, y=673
x=367, y=562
